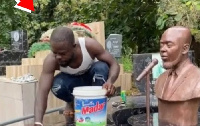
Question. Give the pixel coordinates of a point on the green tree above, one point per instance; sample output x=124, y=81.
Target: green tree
x=35, y=23
x=135, y=20
x=183, y=13
x=132, y=19
x=11, y=19
x=179, y=12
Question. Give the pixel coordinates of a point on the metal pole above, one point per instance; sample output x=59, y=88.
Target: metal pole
x=28, y=117
x=148, y=98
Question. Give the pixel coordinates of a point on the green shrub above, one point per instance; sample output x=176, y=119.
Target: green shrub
x=2, y=46
x=127, y=63
x=39, y=46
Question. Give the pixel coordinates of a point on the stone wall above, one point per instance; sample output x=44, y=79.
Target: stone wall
x=8, y=58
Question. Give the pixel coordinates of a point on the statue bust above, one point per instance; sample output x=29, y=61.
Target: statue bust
x=178, y=88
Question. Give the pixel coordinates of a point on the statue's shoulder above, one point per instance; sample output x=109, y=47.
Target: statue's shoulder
x=163, y=75
x=194, y=76
x=195, y=69
x=160, y=81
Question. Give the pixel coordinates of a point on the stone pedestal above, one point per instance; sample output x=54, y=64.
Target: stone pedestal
x=17, y=100
x=8, y=58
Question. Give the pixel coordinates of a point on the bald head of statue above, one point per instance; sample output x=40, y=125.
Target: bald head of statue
x=174, y=46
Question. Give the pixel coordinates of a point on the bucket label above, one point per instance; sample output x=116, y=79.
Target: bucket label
x=91, y=112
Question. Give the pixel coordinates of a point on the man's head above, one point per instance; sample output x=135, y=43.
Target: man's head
x=63, y=45
x=174, y=46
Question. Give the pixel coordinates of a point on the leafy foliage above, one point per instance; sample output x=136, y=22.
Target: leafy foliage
x=184, y=13
x=136, y=21
x=127, y=63
x=39, y=46
x=141, y=22
x=131, y=19
x=11, y=19
x=180, y=12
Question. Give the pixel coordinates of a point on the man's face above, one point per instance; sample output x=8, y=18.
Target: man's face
x=170, y=49
x=64, y=52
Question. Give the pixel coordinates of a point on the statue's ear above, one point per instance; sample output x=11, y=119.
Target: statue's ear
x=186, y=48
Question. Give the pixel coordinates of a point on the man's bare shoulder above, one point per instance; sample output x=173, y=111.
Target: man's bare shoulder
x=87, y=39
x=91, y=42
x=93, y=46
x=50, y=58
x=50, y=63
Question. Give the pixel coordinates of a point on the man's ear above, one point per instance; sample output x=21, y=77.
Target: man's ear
x=186, y=48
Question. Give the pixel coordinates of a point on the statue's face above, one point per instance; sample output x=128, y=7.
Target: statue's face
x=170, y=49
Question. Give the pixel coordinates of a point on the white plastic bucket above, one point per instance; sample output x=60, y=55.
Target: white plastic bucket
x=90, y=106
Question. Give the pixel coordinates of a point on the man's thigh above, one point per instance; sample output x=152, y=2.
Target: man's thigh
x=64, y=84
x=97, y=75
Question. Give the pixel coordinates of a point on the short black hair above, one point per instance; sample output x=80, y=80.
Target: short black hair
x=62, y=34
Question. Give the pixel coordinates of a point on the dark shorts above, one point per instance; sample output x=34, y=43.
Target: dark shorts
x=64, y=84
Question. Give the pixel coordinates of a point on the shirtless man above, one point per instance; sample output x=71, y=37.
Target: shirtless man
x=82, y=63
x=178, y=88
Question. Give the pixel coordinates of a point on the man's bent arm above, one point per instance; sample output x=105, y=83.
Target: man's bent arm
x=101, y=54
x=43, y=89
x=113, y=72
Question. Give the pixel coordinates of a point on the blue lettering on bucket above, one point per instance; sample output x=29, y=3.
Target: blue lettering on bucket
x=91, y=112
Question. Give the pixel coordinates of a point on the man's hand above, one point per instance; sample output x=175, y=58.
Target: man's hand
x=110, y=89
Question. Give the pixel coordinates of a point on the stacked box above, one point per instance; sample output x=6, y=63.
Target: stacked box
x=17, y=100
x=124, y=79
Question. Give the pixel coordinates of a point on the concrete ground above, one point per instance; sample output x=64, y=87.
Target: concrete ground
x=132, y=102
x=114, y=104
